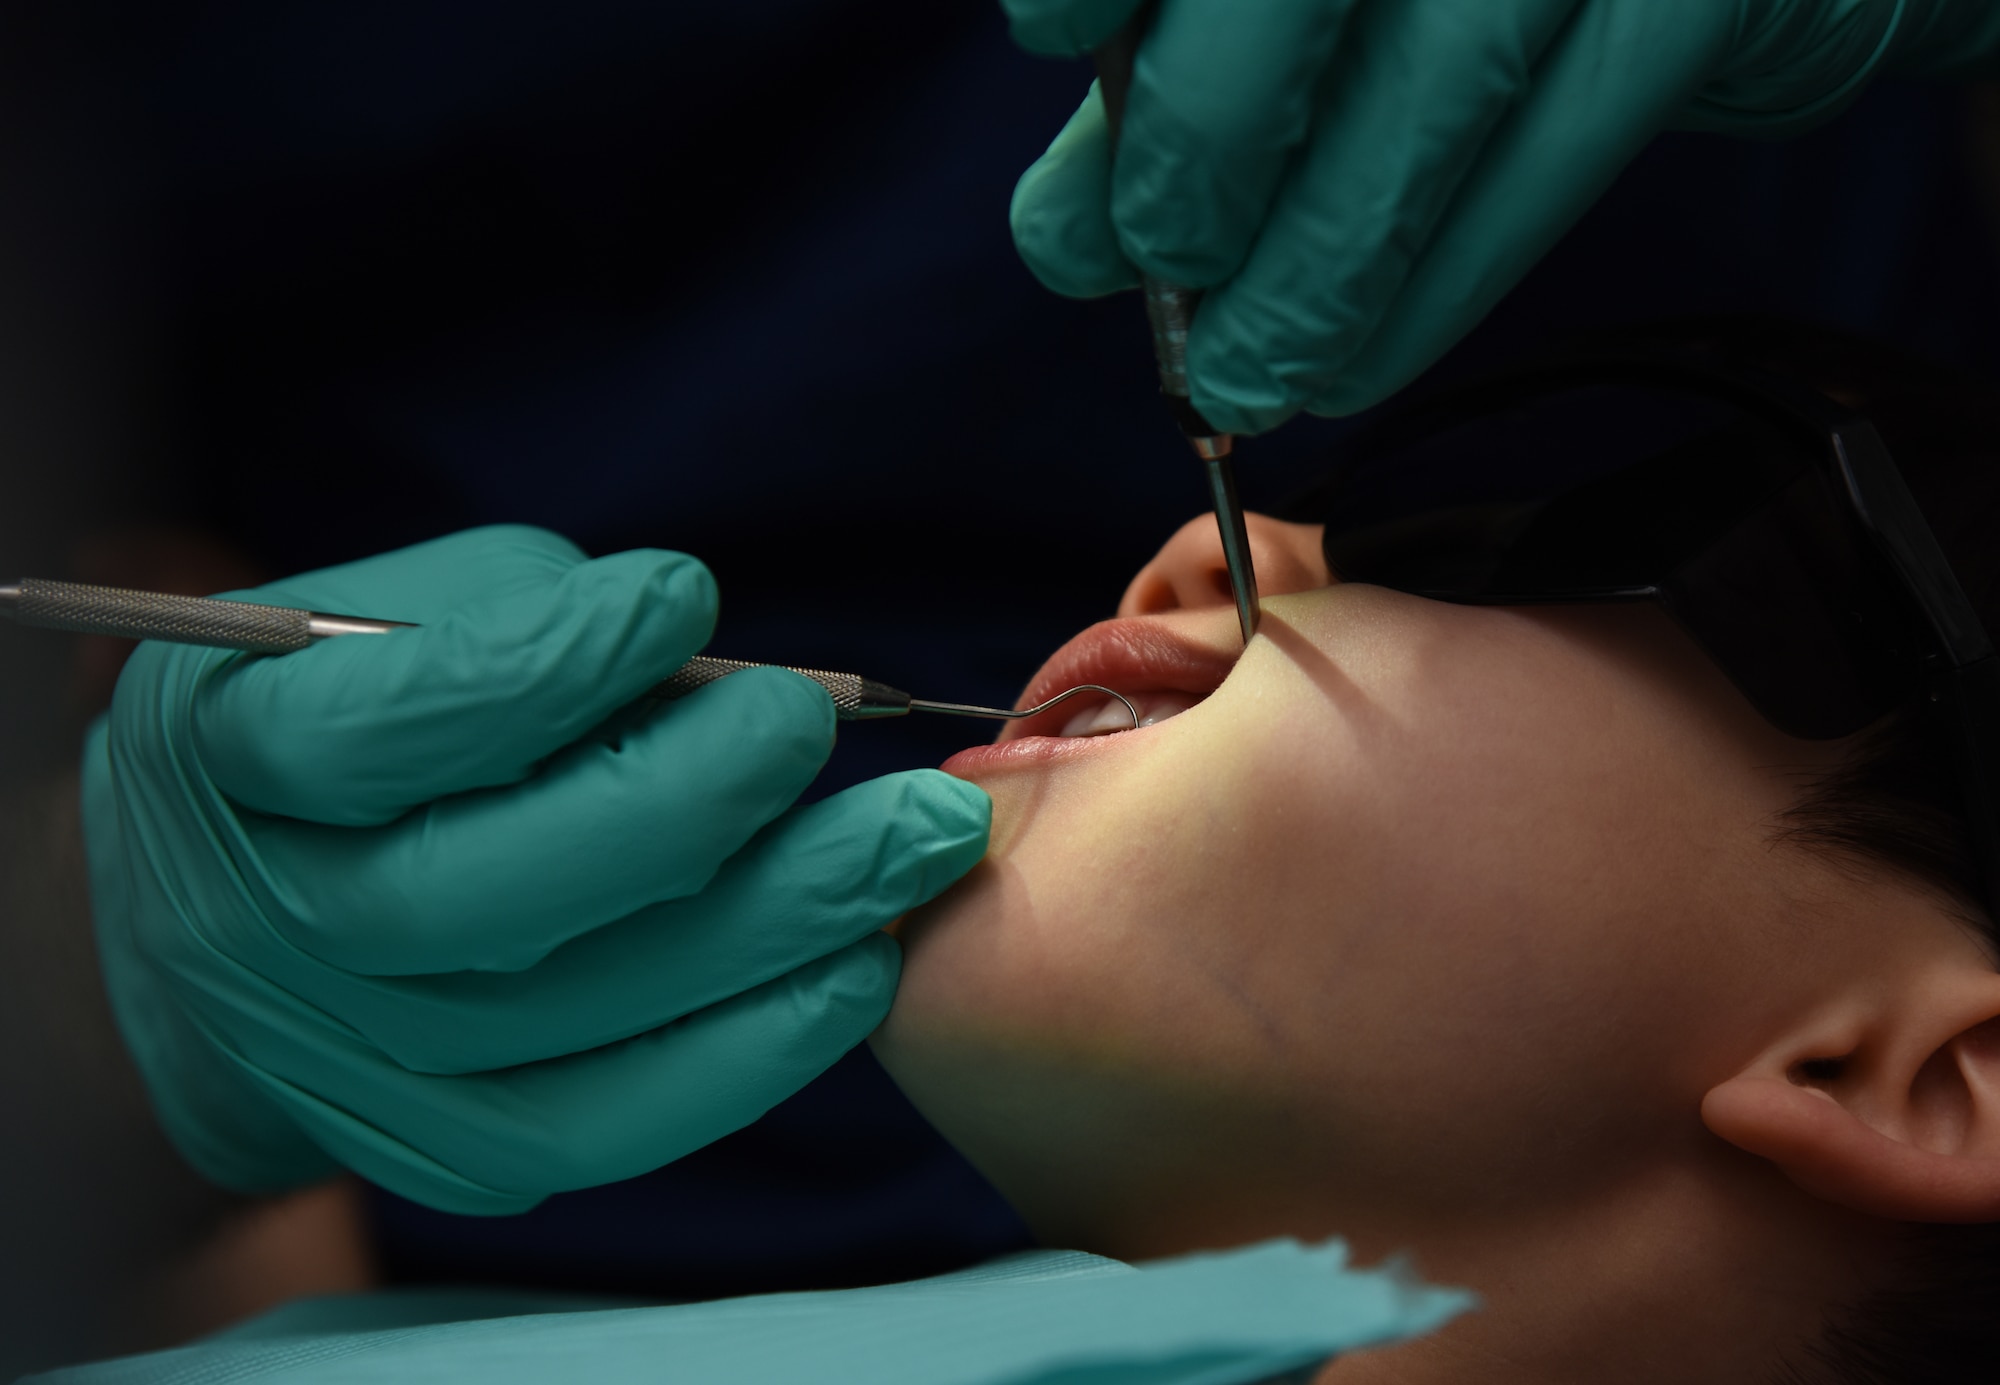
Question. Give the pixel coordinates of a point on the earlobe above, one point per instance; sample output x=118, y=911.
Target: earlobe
x=1836, y=1156
x=1907, y=1128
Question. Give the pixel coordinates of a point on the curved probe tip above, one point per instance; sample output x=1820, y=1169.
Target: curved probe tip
x=961, y=709
x=1068, y=693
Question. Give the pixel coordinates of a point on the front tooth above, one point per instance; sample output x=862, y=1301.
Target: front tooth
x=1158, y=708
x=1076, y=724
x=1095, y=721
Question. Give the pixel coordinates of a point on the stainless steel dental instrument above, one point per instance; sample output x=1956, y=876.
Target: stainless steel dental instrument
x=243, y=625
x=1170, y=310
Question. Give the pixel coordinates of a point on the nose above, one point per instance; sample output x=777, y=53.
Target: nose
x=1189, y=572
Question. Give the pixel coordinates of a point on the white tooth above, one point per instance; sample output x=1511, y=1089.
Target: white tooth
x=1099, y=719
x=1112, y=716
x=1161, y=706
x=1102, y=718
x=1077, y=724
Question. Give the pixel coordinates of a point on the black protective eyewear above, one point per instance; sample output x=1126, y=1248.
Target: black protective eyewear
x=1767, y=518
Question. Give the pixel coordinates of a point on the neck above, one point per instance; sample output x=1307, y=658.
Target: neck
x=1715, y=1270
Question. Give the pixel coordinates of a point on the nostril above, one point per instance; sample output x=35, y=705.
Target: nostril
x=1219, y=579
x=1148, y=595
x=1816, y=1072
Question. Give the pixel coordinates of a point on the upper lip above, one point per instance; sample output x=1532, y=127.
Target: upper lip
x=1134, y=656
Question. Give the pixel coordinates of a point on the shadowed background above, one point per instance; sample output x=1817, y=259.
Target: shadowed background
x=284, y=285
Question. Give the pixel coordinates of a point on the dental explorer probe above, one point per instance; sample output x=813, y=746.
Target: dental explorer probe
x=255, y=629
x=1170, y=311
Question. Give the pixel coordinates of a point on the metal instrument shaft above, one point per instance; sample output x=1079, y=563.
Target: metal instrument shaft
x=1170, y=309
x=256, y=629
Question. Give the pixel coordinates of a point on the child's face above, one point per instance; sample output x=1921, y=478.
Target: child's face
x=1419, y=899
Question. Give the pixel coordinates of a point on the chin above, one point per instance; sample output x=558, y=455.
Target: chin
x=943, y=945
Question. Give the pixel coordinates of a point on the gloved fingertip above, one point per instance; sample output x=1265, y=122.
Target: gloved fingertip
x=1067, y=244
x=955, y=811
x=638, y=615
x=1042, y=39
x=944, y=825
x=660, y=580
x=1060, y=214
x=831, y=1004
x=1064, y=28
x=686, y=582
x=863, y=982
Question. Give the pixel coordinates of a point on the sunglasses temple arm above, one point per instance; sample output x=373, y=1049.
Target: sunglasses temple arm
x=1968, y=699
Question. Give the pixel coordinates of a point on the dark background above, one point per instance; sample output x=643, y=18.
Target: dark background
x=285, y=285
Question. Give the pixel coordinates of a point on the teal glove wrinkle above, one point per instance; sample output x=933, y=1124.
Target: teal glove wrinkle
x=1198, y=164
x=1945, y=40
x=1357, y=182
x=1777, y=84
x=474, y=941
x=215, y=1115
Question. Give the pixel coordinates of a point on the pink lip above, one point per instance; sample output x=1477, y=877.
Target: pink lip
x=1136, y=656
x=1024, y=752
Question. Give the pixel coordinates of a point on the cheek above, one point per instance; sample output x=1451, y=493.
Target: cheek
x=1389, y=854
x=1473, y=830
x=1522, y=855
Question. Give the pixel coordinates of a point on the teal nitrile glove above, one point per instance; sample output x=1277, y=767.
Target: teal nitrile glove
x=1357, y=182
x=402, y=903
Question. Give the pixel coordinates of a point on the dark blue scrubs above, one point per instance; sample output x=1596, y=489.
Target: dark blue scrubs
x=735, y=278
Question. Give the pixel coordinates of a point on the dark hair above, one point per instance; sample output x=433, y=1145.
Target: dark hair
x=1894, y=806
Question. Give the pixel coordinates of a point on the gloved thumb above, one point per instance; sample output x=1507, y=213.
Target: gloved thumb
x=1061, y=214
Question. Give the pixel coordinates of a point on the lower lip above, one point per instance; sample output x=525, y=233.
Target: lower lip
x=1027, y=752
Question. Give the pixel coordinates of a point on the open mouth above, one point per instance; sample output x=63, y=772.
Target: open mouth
x=1109, y=718
x=1162, y=671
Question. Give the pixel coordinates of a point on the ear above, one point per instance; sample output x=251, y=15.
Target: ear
x=1189, y=572
x=1888, y=1105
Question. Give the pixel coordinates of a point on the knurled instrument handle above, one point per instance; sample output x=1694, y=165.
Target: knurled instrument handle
x=156, y=616
x=255, y=629
x=854, y=698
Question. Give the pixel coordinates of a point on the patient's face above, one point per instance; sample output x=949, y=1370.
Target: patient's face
x=1395, y=904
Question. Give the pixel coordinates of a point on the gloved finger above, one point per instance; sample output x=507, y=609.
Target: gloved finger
x=1223, y=93
x=496, y=880
x=499, y=1142
x=359, y=730
x=1413, y=94
x=1061, y=212
x=426, y=581
x=815, y=880
x=1616, y=77
x=1065, y=28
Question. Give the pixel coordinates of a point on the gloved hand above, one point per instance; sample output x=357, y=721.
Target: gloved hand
x=406, y=903
x=1359, y=181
